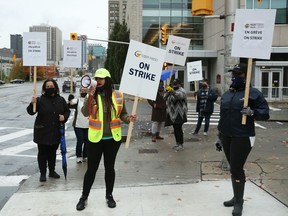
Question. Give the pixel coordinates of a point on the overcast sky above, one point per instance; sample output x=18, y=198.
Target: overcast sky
x=87, y=17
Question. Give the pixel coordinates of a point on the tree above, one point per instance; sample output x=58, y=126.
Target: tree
x=116, y=52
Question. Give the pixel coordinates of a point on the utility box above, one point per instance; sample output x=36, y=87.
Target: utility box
x=202, y=7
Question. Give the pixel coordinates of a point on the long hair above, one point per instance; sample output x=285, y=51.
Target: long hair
x=55, y=84
x=108, y=89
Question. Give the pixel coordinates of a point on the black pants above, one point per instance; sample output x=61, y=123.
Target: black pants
x=199, y=122
x=47, y=153
x=109, y=149
x=236, y=150
x=178, y=133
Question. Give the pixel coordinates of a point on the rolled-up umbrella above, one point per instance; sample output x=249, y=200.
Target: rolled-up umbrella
x=63, y=149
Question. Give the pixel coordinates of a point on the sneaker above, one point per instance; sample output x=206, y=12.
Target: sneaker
x=78, y=160
x=81, y=204
x=195, y=133
x=84, y=159
x=42, y=178
x=110, y=201
x=54, y=175
x=176, y=146
x=205, y=133
x=159, y=137
x=180, y=147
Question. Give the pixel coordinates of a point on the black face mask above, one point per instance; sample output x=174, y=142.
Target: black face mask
x=204, y=86
x=50, y=91
x=83, y=94
x=238, y=82
x=175, y=88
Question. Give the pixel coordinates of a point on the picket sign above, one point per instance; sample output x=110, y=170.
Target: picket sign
x=247, y=88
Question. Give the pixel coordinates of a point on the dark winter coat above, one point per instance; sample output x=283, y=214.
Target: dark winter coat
x=47, y=124
x=230, y=123
x=212, y=97
x=158, y=108
x=177, y=109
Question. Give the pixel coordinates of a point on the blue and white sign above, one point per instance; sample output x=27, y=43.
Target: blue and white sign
x=34, y=49
x=142, y=70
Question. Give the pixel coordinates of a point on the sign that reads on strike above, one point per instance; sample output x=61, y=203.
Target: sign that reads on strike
x=142, y=70
x=34, y=49
x=194, y=71
x=253, y=33
x=176, y=50
x=72, y=53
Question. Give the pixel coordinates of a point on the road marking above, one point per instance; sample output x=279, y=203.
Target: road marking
x=17, y=149
x=8, y=181
x=14, y=135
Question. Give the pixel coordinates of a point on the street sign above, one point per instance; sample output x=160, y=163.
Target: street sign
x=83, y=37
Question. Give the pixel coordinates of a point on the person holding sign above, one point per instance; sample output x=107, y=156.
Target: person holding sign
x=158, y=112
x=51, y=110
x=105, y=108
x=205, y=106
x=176, y=101
x=237, y=139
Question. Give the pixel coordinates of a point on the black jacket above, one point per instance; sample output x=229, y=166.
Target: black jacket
x=212, y=97
x=230, y=123
x=47, y=124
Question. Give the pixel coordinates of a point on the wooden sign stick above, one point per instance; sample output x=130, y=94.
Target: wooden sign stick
x=247, y=88
x=34, y=88
x=71, y=81
x=131, y=123
x=170, y=77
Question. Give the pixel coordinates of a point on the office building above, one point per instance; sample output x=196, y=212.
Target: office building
x=16, y=44
x=116, y=12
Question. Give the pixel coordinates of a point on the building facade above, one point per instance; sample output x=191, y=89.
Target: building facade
x=211, y=40
x=116, y=12
x=54, y=42
x=16, y=43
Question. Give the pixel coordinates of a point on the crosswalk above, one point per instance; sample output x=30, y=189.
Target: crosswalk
x=192, y=117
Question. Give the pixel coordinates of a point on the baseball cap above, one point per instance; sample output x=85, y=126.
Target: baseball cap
x=102, y=73
x=177, y=81
x=239, y=68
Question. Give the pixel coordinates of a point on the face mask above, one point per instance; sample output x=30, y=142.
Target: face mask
x=238, y=82
x=50, y=91
x=204, y=86
x=175, y=88
x=83, y=94
x=100, y=89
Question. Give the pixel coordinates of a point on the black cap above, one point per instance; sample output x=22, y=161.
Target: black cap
x=239, y=68
x=177, y=81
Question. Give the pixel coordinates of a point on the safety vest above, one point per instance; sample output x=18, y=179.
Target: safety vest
x=95, y=132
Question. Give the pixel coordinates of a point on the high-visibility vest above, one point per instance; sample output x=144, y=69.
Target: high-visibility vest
x=95, y=132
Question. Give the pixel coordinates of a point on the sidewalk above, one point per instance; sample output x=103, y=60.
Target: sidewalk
x=152, y=179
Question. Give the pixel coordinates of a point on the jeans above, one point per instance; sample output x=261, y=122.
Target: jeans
x=236, y=150
x=199, y=122
x=109, y=149
x=82, y=140
x=156, y=127
x=178, y=133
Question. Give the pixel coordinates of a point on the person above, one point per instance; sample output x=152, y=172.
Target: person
x=52, y=110
x=105, y=107
x=158, y=113
x=176, y=101
x=80, y=125
x=204, y=106
x=238, y=139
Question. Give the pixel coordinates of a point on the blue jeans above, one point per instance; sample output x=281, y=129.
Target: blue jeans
x=82, y=140
x=199, y=122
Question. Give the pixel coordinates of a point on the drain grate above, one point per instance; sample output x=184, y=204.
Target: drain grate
x=148, y=151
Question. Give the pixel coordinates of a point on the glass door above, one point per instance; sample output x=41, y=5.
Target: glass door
x=271, y=84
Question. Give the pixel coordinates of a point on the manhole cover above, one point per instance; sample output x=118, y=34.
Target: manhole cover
x=148, y=151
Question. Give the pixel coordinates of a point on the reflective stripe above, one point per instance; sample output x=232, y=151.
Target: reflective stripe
x=115, y=124
x=95, y=124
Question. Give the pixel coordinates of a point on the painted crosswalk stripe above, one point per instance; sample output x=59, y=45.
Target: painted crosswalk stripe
x=14, y=135
x=11, y=181
x=17, y=149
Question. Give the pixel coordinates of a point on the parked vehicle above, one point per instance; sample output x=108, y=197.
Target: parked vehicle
x=2, y=82
x=17, y=81
x=66, y=86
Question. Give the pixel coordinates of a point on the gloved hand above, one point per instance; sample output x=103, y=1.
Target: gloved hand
x=218, y=145
x=70, y=97
x=169, y=88
x=247, y=111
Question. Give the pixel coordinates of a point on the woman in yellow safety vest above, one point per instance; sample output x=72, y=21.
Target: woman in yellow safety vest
x=105, y=108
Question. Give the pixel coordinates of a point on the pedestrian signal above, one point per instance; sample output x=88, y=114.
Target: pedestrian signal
x=163, y=35
x=73, y=36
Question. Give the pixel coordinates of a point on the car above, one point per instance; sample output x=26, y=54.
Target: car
x=2, y=82
x=17, y=81
x=66, y=86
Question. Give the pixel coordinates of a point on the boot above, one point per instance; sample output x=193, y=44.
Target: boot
x=82, y=203
x=238, y=188
x=229, y=203
x=153, y=137
x=158, y=136
x=110, y=201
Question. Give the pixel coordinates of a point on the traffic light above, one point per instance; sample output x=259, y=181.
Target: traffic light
x=259, y=2
x=73, y=36
x=163, y=35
